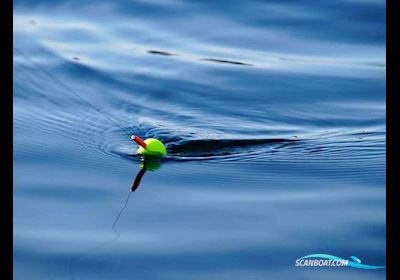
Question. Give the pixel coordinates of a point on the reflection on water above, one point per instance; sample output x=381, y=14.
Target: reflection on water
x=145, y=164
x=273, y=114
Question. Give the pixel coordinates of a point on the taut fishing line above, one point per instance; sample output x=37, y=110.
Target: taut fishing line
x=70, y=90
x=150, y=147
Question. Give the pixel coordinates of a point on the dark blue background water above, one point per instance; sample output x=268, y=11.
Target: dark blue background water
x=273, y=113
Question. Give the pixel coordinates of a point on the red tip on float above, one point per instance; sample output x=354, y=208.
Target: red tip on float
x=139, y=141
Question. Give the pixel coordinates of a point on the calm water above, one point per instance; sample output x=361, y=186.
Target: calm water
x=273, y=113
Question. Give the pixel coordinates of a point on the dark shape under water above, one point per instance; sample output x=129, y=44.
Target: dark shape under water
x=208, y=146
x=160, y=52
x=226, y=61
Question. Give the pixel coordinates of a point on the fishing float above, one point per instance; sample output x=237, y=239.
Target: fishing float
x=150, y=147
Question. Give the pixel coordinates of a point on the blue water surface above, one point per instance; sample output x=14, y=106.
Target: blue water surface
x=273, y=114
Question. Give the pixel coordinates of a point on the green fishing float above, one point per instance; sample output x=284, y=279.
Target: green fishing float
x=150, y=147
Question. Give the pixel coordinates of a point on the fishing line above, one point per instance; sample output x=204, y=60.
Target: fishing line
x=69, y=89
x=135, y=185
x=101, y=245
x=120, y=213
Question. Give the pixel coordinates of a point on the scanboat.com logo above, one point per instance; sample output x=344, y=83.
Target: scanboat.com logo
x=329, y=260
